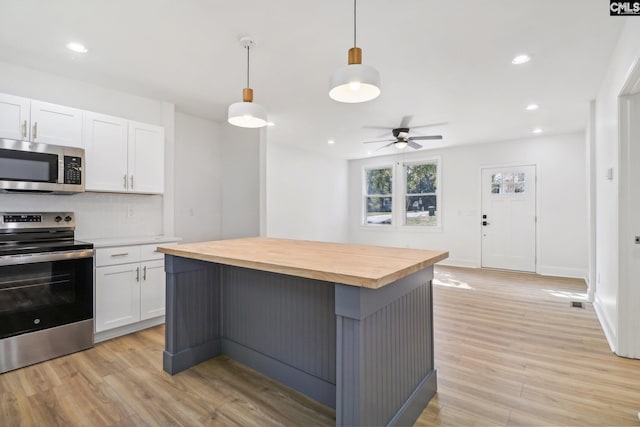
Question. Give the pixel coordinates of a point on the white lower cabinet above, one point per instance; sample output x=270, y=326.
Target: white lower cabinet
x=130, y=285
x=152, y=290
x=117, y=296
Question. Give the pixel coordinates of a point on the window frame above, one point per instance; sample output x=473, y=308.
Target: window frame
x=365, y=194
x=398, y=188
x=438, y=193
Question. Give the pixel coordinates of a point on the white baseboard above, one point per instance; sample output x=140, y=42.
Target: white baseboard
x=459, y=262
x=128, y=329
x=574, y=273
x=605, y=323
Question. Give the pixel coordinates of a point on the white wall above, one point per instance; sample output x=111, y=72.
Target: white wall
x=240, y=168
x=561, y=202
x=198, y=184
x=607, y=154
x=30, y=83
x=97, y=215
x=306, y=195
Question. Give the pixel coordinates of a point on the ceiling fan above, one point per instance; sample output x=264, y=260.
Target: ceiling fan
x=401, y=135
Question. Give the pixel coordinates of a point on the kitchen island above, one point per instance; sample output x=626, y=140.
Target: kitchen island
x=348, y=325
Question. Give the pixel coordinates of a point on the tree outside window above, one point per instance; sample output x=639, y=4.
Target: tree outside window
x=421, y=199
x=378, y=197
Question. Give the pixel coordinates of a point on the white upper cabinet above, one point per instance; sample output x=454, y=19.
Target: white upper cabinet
x=146, y=158
x=105, y=146
x=123, y=156
x=30, y=120
x=56, y=124
x=14, y=117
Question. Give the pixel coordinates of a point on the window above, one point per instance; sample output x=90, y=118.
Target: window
x=378, y=199
x=421, y=194
x=508, y=183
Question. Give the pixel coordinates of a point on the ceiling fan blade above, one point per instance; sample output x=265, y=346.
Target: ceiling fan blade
x=381, y=140
x=385, y=146
x=430, y=125
x=414, y=145
x=405, y=121
x=418, y=138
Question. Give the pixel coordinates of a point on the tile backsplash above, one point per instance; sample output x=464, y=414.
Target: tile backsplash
x=97, y=214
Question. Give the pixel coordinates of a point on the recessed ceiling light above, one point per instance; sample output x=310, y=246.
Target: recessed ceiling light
x=537, y=130
x=77, y=47
x=369, y=153
x=331, y=142
x=521, y=59
x=532, y=107
x=270, y=124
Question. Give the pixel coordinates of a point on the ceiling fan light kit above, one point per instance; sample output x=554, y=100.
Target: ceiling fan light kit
x=247, y=114
x=401, y=145
x=355, y=82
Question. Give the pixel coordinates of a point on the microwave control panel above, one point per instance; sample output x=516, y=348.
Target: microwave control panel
x=72, y=170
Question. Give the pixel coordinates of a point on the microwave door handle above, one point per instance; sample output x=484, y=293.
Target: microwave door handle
x=61, y=169
x=45, y=257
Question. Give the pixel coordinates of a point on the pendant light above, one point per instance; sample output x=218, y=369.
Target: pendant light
x=355, y=82
x=246, y=114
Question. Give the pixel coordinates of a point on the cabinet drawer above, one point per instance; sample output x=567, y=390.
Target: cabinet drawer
x=149, y=252
x=117, y=255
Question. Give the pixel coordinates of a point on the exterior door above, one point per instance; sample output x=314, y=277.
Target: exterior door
x=509, y=218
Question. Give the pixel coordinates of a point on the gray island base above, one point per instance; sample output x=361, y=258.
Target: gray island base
x=366, y=352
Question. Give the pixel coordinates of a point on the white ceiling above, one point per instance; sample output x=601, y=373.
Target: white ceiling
x=440, y=61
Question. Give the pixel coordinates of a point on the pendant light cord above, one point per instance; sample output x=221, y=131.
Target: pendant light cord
x=354, y=24
x=248, y=66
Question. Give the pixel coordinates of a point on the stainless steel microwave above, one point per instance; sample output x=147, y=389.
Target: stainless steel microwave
x=40, y=168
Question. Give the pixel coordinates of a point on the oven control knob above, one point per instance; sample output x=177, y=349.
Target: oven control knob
x=67, y=218
x=58, y=218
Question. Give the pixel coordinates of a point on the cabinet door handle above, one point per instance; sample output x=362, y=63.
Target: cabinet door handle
x=24, y=129
x=35, y=130
x=144, y=273
x=131, y=181
x=124, y=182
x=137, y=274
x=122, y=254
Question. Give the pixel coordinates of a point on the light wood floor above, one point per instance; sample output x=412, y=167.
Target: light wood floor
x=509, y=351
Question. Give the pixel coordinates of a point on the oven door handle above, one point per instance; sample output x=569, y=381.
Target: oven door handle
x=45, y=257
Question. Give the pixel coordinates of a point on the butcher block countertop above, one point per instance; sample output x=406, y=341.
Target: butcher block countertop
x=357, y=265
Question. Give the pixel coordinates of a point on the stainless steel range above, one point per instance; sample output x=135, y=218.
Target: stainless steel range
x=46, y=288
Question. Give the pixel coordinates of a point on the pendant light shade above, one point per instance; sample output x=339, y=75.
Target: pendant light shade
x=355, y=82
x=247, y=114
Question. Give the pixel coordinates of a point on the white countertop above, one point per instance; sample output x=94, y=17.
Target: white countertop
x=106, y=242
